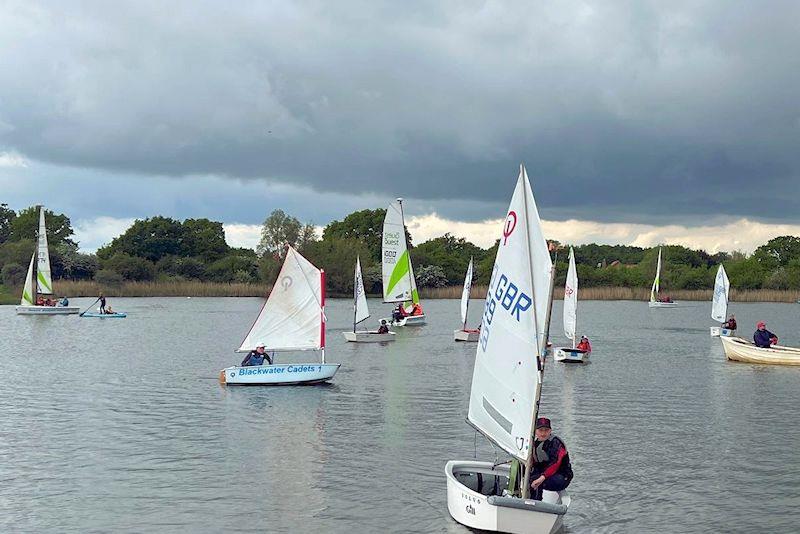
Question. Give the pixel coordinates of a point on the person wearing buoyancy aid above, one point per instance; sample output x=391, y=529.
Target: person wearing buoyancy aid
x=551, y=469
x=584, y=344
x=383, y=328
x=256, y=357
x=416, y=309
x=730, y=324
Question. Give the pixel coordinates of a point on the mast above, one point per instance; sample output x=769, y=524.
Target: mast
x=408, y=251
x=322, y=313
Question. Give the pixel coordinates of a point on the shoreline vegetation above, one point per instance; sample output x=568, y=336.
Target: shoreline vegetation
x=88, y=288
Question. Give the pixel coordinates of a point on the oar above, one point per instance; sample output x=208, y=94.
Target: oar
x=90, y=307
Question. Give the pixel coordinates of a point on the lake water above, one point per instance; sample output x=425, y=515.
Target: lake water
x=121, y=425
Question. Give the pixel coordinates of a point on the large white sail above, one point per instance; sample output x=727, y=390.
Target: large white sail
x=571, y=299
x=506, y=378
x=719, y=305
x=43, y=275
x=361, y=311
x=292, y=318
x=398, y=274
x=465, y=294
x=657, y=279
x=27, y=291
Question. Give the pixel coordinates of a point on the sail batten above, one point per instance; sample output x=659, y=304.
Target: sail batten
x=399, y=284
x=506, y=377
x=719, y=305
x=571, y=300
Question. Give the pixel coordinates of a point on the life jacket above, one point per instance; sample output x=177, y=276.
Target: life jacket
x=254, y=359
x=545, y=453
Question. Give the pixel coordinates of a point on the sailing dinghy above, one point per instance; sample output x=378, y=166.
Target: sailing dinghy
x=292, y=319
x=399, y=284
x=655, y=300
x=566, y=354
x=719, y=303
x=361, y=313
x=507, y=382
x=465, y=334
x=39, y=280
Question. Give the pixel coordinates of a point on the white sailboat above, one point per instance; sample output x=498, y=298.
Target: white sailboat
x=464, y=334
x=719, y=303
x=573, y=354
x=292, y=319
x=361, y=313
x=39, y=280
x=399, y=284
x=654, y=298
x=507, y=381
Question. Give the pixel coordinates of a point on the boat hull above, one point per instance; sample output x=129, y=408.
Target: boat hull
x=105, y=315
x=740, y=350
x=411, y=320
x=48, y=310
x=570, y=355
x=470, y=336
x=717, y=331
x=279, y=375
x=473, y=508
x=368, y=337
x=663, y=304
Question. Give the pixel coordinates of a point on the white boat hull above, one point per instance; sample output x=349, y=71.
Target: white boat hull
x=472, y=507
x=279, y=375
x=663, y=304
x=567, y=354
x=368, y=337
x=717, y=331
x=466, y=335
x=48, y=310
x=411, y=320
x=740, y=350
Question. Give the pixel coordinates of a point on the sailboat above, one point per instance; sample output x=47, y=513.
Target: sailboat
x=566, y=354
x=39, y=280
x=464, y=334
x=719, y=303
x=507, y=382
x=292, y=319
x=361, y=313
x=655, y=302
x=398, y=274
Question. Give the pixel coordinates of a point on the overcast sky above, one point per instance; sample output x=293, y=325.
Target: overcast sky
x=633, y=118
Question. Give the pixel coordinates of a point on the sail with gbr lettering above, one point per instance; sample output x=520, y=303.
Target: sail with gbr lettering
x=506, y=380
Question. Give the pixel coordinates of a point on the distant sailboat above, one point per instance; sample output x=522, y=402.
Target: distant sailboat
x=361, y=313
x=655, y=300
x=292, y=319
x=465, y=334
x=507, y=382
x=399, y=284
x=566, y=354
x=39, y=280
x=719, y=303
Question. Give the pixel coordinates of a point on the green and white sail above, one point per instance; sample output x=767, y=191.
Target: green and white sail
x=43, y=276
x=27, y=291
x=657, y=281
x=398, y=274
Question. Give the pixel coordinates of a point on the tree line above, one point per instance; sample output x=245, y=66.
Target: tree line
x=165, y=249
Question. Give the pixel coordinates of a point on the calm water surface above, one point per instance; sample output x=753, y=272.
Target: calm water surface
x=121, y=425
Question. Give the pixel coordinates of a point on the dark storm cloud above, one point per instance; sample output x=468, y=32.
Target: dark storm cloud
x=652, y=112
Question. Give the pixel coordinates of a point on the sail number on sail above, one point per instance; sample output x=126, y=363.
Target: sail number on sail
x=507, y=294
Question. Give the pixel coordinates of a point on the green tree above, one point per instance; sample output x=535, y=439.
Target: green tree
x=151, y=239
x=281, y=230
x=233, y=268
x=26, y=224
x=130, y=267
x=450, y=253
x=778, y=251
x=6, y=217
x=12, y=274
x=338, y=258
x=204, y=238
x=75, y=265
x=365, y=226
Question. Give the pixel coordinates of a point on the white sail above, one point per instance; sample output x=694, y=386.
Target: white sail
x=292, y=318
x=719, y=305
x=43, y=275
x=398, y=274
x=506, y=378
x=27, y=291
x=571, y=299
x=465, y=294
x=657, y=279
x=359, y=295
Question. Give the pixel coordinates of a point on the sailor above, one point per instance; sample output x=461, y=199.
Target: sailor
x=730, y=324
x=584, y=344
x=416, y=309
x=762, y=337
x=64, y=301
x=399, y=313
x=102, y=300
x=383, y=328
x=551, y=467
x=256, y=357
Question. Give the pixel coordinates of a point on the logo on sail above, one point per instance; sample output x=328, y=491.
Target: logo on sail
x=511, y=223
x=286, y=282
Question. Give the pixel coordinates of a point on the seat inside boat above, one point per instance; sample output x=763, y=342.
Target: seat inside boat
x=484, y=482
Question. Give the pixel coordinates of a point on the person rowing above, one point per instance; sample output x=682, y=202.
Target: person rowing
x=764, y=338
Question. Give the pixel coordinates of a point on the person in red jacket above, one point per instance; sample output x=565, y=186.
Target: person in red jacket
x=551, y=466
x=584, y=344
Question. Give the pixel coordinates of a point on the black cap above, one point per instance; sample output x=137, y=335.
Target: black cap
x=543, y=422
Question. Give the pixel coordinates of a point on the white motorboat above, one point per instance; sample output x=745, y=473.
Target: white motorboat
x=741, y=350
